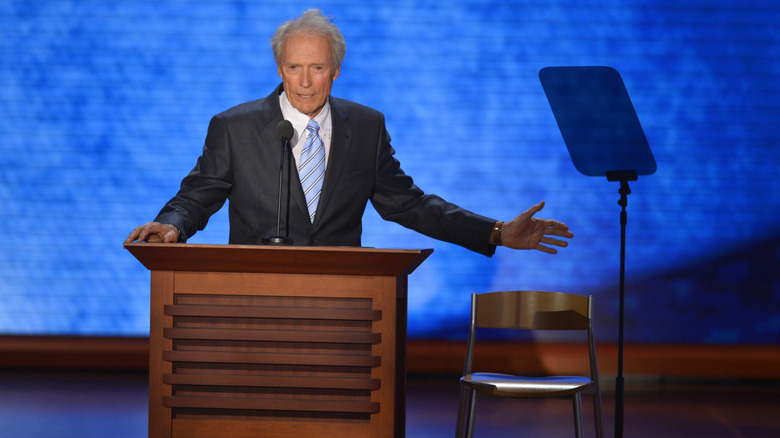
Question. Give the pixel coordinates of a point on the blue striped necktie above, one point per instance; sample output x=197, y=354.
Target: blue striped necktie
x=312, y=167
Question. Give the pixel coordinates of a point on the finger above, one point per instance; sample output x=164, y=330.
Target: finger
x=133, y=235
x=558, y=232
x=147, y=233
x=546, y=249
x=535, y=209
x=556, y=242
x=169, y=236
x=142, y=236
x=551, y=223
x=528, y=214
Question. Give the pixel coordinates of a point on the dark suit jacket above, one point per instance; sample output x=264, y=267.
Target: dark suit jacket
x=240, y=163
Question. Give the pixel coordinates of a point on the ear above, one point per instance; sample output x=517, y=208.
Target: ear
x=335, y=75
x=279, y=70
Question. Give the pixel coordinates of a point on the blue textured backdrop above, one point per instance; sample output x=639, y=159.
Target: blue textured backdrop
x=104, y=107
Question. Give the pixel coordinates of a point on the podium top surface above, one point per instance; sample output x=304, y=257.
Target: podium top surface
x=278, y=259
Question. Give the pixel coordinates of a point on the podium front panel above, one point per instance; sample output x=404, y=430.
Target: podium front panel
x=271, y=354
x=249, y=341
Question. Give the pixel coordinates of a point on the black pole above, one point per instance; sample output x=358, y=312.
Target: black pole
x=624, y=177
x=620, y=383
x=279, y=198
x=278, y=239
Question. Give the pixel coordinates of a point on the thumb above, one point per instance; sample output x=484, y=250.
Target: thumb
x=535, y=209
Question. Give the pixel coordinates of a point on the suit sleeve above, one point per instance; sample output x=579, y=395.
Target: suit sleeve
x=204, y=190
x=396, y=198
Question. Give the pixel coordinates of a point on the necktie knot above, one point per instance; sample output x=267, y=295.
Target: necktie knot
x=312, y=127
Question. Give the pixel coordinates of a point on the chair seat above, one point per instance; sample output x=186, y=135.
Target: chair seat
x=507, y=385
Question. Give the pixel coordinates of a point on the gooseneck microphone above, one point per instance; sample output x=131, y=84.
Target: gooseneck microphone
x=285, y=131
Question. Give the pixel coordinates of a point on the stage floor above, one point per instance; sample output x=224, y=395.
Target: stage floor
x=87, y=405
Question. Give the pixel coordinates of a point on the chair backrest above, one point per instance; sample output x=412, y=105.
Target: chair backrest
x=531, y=310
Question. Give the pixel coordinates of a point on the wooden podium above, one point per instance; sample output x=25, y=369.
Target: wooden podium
x=250, y=341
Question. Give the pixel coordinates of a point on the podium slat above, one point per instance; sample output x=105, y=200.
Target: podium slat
x=340, y=337
x=272, y=381
x=272, y=358
x=269, y=428
x=273, y=312
x=297, y=405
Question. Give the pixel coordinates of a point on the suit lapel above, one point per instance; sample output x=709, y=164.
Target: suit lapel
x=273, y=147
x=340, y=142
x=268, y=120
x=271, y=116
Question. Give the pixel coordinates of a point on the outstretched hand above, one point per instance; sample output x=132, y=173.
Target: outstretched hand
x=154, y=232
x=528, y=232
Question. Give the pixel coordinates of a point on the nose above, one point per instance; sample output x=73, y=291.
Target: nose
x=306, y=78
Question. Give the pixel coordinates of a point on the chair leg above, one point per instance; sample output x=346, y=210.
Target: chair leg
x=597, y=414
x=472, y=408
x=577, y=400
x=463, y=407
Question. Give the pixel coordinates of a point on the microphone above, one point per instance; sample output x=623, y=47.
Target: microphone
x=285, y=131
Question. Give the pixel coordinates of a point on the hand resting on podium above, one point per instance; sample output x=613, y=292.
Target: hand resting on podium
x=154, y=232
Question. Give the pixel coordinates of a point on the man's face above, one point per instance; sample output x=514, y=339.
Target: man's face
x=308, y=71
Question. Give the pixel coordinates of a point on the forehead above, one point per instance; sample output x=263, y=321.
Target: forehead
x=307, y=48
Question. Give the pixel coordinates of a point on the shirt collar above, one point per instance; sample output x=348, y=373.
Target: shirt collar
x=300, y=120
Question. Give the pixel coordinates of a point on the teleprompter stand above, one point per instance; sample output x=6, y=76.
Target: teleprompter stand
x=604, y=138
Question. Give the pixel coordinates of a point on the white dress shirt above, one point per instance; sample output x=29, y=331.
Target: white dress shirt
x=299, y=122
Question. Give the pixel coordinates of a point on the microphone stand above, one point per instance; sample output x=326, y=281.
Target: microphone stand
x=278, y=239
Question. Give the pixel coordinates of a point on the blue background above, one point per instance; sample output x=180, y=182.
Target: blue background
x=104, y=108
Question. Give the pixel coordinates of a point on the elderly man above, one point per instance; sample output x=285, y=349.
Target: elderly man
x=343, y=160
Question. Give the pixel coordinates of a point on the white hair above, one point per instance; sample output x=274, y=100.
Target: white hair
x=311, y=21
